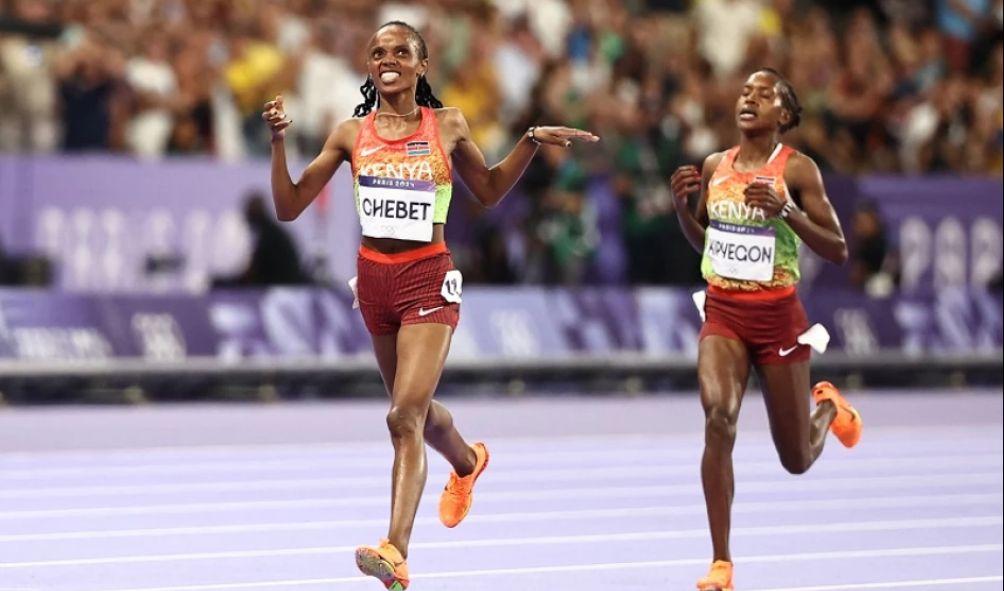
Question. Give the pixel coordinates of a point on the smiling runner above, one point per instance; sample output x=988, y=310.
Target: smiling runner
x=403, y=146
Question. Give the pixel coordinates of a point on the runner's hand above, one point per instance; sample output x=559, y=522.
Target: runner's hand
x=765, y=197
x=562, y=136
x=685, y=181
x=275, y=115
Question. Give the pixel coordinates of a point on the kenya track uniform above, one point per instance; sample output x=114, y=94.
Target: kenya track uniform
x=407, y=286
x=749, y=231
x=751, y=266
x=402, y=188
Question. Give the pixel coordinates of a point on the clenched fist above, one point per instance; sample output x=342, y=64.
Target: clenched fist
x=275, y=115
x=685, y=182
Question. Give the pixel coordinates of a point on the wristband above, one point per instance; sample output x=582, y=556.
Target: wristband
x=529, y=134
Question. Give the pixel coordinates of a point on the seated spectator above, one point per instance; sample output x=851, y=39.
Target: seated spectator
x=870, y=259
x=275, y=259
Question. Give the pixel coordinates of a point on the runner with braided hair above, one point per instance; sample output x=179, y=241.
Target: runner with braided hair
x=404, y=146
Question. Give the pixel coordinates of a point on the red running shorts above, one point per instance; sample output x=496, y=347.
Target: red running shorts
x=414, y=287
x=767, y=322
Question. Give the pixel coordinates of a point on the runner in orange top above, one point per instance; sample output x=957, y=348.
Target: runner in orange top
x=403, y=147
x=756, y=203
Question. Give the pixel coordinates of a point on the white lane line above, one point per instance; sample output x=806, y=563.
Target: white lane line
x=891, y=584
x=772, y=530
x=226, y=451
x=617, y=456
x=349, y=456
x=608, y=566
x=501, y=474
x=741, y=507
x=344, y=460
x=951, y=433
x=614, y=492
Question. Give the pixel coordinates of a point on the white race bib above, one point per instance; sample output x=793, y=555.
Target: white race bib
x=740, y=252
x=453, y=286
x=396, y=208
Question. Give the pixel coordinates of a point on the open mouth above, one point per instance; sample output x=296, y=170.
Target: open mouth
x=747, y=114
x=389, y=77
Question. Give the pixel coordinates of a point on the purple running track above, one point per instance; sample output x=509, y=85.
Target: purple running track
x=583, y=494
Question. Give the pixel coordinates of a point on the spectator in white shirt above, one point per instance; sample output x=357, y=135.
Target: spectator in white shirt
x=152, y=80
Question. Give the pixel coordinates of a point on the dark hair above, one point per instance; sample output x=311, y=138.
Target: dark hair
x=788, y=98
x=423, y=92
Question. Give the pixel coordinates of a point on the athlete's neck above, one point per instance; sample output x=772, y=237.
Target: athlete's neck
x=756, y=150
x=399, y=105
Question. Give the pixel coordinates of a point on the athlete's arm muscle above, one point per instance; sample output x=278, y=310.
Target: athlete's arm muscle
x=490, y=185
x=816, y=224
x=292, y=198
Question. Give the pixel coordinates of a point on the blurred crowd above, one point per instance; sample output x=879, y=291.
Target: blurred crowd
x=887, y=86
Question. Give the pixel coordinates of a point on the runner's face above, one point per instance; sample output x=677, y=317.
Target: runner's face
x=760, y=107
x=393, y=60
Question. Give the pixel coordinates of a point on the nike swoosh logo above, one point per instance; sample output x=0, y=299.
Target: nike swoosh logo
x=720, y=180
x=368, y=151
x=786, y=352
x=424, y=312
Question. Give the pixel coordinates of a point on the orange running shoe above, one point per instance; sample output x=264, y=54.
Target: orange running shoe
x=719, y=577
x=847, y=424
x=385, y=563
x=458, y=495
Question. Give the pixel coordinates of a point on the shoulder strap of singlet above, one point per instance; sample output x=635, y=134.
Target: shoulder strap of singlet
x=779, y=159
x=365, y=129
x=779, y=164
x=428, y=120
x=430, y=123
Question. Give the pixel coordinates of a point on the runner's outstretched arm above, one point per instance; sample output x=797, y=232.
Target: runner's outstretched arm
x=490, y=185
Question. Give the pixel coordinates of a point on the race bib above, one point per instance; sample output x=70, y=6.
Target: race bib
x=396, y=208
x=740, y=252
x=453, y=286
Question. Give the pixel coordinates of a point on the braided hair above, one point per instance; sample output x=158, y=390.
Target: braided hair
x=423, y=92
x=788, y=98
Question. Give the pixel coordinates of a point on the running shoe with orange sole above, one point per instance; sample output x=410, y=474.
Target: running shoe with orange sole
x=719, y=578
x=385, y=563
x=455, y=502
x=847, y=424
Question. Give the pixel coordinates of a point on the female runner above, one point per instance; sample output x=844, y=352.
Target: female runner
x=756, y=202
x=402, y=146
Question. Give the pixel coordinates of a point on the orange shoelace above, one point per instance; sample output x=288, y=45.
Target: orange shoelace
x=459, y=486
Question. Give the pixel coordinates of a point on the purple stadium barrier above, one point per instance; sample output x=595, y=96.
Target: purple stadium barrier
x=496, y=323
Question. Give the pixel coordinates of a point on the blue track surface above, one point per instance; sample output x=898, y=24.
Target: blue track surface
x=582, y=494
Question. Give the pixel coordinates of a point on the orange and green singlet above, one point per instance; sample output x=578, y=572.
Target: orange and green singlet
x=402, y=187
x=743, y=249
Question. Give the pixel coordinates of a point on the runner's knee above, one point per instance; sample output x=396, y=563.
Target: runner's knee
x=405, y=420
x=720, y=423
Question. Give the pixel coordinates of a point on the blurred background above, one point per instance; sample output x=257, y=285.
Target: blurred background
x=140, y=257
